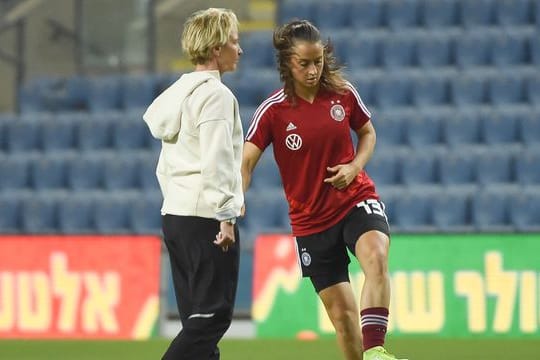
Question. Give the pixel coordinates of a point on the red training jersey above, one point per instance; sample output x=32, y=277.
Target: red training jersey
x=308, y=138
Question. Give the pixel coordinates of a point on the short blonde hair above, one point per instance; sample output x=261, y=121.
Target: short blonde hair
x=206, y=29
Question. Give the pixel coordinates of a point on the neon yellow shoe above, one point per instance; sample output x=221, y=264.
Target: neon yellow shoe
x=379, y=353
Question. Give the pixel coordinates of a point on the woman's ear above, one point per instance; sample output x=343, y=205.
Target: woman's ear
x=217, y=51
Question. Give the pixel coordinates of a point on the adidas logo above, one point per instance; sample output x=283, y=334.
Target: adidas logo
x=291, y=126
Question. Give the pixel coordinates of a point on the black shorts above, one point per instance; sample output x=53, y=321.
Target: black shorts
x=323, y=256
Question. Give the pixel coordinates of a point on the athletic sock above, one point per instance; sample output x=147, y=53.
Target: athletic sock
x=374, y=323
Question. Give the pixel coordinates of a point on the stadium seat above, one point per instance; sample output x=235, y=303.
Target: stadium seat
x=491, y=209
x=486, y=171
x=137, y=91
x=473, y=48
x=363, y=52
x=331, y=14
x=145, y=213
x=111, y=213
x=341, y=41
x=85, y=172
x=23, y=135
x=58, y=135
x=434, y=51
x=365, y=14
x=5, y=121
x=430, y=91
x=413, y=211
x=364, y=85
x=500, y=127
x=49, y=172
x=463, y=128
x=534, y=46
x=528, y=167
x=75, y=213
x=392, y=91
x=76, y=93
x=104, y=93
x=506, y=89
x=533, y=89
x=419, y=168
x=295, y=9
x=246, y=114
x=130, y=132
x=39, y=213
x=402, y=14
x=529, y=128
x=95, y=132
x=266, y=174
x=10, y=213
x=439, y=14
x=467, y=90
x=525, y=210
x=383, y=167
x=258, y=49
x=146, y=168
x=266, y=211
x=398, y=51
x=509, y=49
x=15, y=171
x=120, y=171
x=390, y=128
x=513, y=12
x=424, y=130
x=457, y=168
x=451, y=211
x=477, y=13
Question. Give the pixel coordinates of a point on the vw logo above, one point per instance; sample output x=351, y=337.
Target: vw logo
x=293, y=141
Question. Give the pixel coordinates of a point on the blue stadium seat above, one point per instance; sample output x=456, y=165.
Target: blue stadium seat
x=525, y=210
x=366, y=14
x=473, y=48
x=266, y=174
x=365, y=85
x=390, y=128
x=529, y=128
x=76, y=92
x=258, y=49
x=295, y=9
x=75, y=213
x=424, y=130
x=477, y=13
x=15, y=171
x=509, y=49
x=513, y=12
x=39, y=213
x=246, y=114
x=58, y=135
x=468, y=90
x=402, y=13
x=434, y=51
x=439, y=14
x=85, y=172
x=266, y=211
x=392, y=91
x=534, y=46
x=120, y=171
x=131, y=133
x=104, y=93
x=111, y=213
x=506, y=89
x=462, y=129
x=95, y=133
x=341, y=41
x=419, y=168
x=363, y=52
x=533, y=88
x=147, y=170
x=331, y=14
x=494, y=166
x=451, y=211
x=413, y=211
x=500, y=127
x=137, y=91
x=10, y=213
x=383, y=167
x=145, y=213
x=49, y=172
x=457, y=168
x=398, y=51
x=5, y=120
x=528, y=167
x=491, y=209
x=23, y=135
x=430, y=91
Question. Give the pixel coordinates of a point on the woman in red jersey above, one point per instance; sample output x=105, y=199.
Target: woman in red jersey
x=333, y=204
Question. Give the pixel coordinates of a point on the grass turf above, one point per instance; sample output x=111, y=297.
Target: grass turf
x=414, y=349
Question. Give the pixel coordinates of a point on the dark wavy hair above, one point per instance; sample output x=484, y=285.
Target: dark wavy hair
x=285, y=38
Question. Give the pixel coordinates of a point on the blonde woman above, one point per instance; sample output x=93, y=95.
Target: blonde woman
x=197, y=119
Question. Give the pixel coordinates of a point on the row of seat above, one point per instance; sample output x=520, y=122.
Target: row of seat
x=415, y=48
x=399, y=14
x=414, y=209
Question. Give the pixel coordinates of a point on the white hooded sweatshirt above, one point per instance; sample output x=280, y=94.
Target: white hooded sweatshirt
x=198, y=122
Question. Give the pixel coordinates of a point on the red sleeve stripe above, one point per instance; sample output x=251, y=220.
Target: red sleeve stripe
x=359, y=99
x=276, y=98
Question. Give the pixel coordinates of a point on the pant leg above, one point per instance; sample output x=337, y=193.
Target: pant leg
x=208, y=285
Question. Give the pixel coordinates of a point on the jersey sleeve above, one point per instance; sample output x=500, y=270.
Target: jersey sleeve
x=260, y=131
x=359, y=113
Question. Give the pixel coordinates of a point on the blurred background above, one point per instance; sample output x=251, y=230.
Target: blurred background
x=453, y=86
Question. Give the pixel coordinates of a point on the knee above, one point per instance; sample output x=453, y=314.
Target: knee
x=345, y=322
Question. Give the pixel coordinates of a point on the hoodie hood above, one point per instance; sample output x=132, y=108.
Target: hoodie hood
x=164, y=114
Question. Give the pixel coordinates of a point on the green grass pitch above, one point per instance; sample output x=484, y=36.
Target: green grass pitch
x=325, y=349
